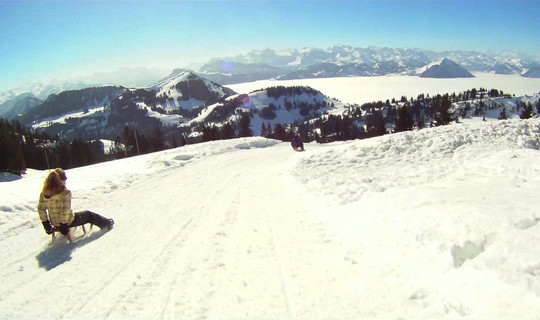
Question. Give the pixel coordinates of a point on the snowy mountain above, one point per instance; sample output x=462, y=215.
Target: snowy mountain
x=311, y=62
x=181, y=104
x=126, y=77
x=66, y=102
x=103, y=112
x=225, y=72
x=500, y=68
x=187, y=91
x=444, y=68
x=532, y=73
x=18, y=104
x=440, y=223
x=42, y=90
x=339, y=61
x=271, y=106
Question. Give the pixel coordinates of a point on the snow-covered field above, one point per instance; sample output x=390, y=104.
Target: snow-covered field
x=368, y=89
x=437, y=223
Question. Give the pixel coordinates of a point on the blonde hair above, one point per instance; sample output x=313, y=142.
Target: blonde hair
x=61, y=173
x=53, y=183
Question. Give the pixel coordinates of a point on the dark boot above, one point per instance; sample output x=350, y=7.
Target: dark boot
x=87, y=216
x=110, y=225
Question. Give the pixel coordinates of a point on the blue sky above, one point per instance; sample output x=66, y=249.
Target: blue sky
x=42, y=40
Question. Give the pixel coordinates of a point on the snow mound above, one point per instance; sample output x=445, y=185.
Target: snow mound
x=362, y=167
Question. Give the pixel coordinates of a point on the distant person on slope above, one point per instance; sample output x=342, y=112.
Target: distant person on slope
x=54, y=207
x=297, y=143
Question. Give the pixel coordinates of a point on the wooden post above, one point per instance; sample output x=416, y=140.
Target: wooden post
x=47, y=159
x=137, y=142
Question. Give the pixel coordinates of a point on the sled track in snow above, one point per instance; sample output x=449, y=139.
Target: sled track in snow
x=164, y=253
x=278, y=252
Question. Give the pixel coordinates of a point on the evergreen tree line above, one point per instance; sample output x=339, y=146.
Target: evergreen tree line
x=229, y=130
x=281, y=91
x=132, y=143
x=366, y=121
x=379, y=118
x=21, y=149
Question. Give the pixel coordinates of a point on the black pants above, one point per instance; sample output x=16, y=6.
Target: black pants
x=87, y=216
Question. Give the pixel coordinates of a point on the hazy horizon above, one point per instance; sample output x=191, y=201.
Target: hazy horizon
x=45, y=40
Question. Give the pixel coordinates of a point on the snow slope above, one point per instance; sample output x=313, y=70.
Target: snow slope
x=437, y=223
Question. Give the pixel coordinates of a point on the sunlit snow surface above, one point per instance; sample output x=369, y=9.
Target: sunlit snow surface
x=436, y=223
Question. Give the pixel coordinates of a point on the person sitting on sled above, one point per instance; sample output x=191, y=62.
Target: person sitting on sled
x=297, y=143
x=54, y=207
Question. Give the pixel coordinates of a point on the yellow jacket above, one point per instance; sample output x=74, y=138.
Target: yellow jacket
x=56, y=208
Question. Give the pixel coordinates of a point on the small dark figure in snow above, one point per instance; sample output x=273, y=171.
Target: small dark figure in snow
x=297, y=143
x=54, y=207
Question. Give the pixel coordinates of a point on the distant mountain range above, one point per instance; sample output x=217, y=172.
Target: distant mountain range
x=187, y=102
x=345, y=61
x=188, y=108
x=337, y=61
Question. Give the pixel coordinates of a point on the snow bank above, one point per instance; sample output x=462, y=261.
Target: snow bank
x=400, y=160
x=443, y=220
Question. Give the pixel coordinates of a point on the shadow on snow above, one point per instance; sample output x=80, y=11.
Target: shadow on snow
x=60, y=252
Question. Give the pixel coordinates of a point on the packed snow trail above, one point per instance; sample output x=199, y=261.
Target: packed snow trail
x=199, y=251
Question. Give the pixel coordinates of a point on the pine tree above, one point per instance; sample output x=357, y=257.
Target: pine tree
x=210, y=133
x=245, y=126
x=279, y=133
x=128, y=139
x=404, y=121
x=263, y=130
x=158, y=141
x=503, y=115
x=527, y=113
x=11, y=152
x=226, y=132
x=375, y=124
x=443, y=116
x=420, y=122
